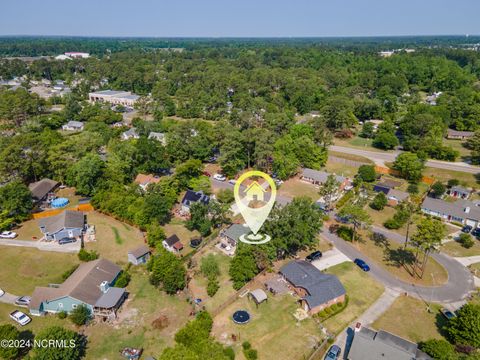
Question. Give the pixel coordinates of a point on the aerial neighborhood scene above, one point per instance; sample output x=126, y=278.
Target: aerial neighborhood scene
x=246, y=180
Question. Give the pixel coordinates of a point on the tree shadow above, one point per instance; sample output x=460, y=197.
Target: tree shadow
x=400, y=257
x=440, y=323
x=27, y=336
x=380, y=240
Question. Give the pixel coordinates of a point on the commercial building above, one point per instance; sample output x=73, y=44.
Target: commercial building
x=114, y=97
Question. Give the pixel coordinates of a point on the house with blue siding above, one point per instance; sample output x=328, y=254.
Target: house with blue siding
x=91, y=285
x=66, y=225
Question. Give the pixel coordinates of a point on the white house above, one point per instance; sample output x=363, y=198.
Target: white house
x=130, y=134
x=73, y=125
x=159, y=137
x=172, y=244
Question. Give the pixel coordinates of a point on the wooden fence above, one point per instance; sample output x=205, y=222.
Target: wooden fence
x=384, y=170
x=48, y=213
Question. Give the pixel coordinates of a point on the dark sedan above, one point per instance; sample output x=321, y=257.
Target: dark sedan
x=314, y=256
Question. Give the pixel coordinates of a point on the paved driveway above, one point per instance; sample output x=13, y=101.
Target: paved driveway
x=43, y=245
x=330, y=258
x=8, y=298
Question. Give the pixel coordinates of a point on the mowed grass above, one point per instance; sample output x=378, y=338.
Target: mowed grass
x=273, y=331
x=362, y=291
x=24, y=268
x=341, y=169
x=392, y=260
x=145, y=304
x=177, y=227
x=28, y=230
x=113, y=238
x=458, y=145
x=295, y=188
x=198, y=284
x=443, y=175
x=455, y=249
x=421, y=324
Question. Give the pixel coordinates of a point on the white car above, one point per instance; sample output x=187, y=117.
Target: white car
x=232, y=181
x=219, y=177
x=8, y=235
x=20, y=317
x=2, y=292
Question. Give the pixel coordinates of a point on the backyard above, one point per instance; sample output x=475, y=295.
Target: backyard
x=177, y=227
x=113, y=238
x=421, y=325
x=362, y=291
x=272, y=325
x=295, y=187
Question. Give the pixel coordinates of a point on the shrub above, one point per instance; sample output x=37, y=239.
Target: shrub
x=453, y=182
x=344, y=199
x=246, y=345
x=466, y=240
x=85, y=255
x=345, y=233
x=412, y=188
x=229, y=352
x=367, y=173
x=212, y=286
x=438, y=189
x=250, y=354
x=392, y=224
x=80, y=315
x=123, y=279
x=379, y=202
x=438, y=349
x=62, y=315
x=69, y=272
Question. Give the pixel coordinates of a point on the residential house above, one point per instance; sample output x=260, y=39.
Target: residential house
x=172, y=244
x=316, y=289
x=66, y=225
x=73, y=125
x=161, y=137
x=130, y=134
x=394, y=196
x=192, y=197
x=459, y=135
x=381, y=345
x=461, y=211
x=139, y=255
x=144, y=180
x=125, y=98
x=317, y=177
x=460, y=192
x=229, y=237
x=42, y=189
x=77, y=55
x=255, y=192
x=432, y=99
x=89, y=285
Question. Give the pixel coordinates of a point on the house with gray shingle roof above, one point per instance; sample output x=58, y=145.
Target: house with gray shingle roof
x=316, y=289
x=73, y=125
x=229, y=237
x=91, y=285
x=42, y=188
x=461, y=211
x=382, y=345
x=66, y=225
x=139, y=255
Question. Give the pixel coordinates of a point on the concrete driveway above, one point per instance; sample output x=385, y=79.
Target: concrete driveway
x=8, y=298
x=330, y=258
x=43, y=245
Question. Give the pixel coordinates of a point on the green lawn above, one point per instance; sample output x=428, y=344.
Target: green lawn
x=24, y=268
x=362, y=291
x=350, y=157
x=357, y=142
x=113, y=238
x=454, y=248
x=296, y=188
x=177, y=227
x=458, y=145
x=443, y=175
x=421, y=325
x=272, y=330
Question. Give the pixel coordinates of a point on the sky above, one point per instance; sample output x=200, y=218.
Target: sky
x=239, y=18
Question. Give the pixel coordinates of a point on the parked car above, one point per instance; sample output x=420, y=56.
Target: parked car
x=448, y=314
x=466, y=229
x=219, y=177
x=23, y=300
x=206, y=173
x=362, y=264
x=476, y=232
x=8, y=235
x=2, y=292
x=232, y=181
x=314, y=256
x=278, y=182
x=20, y=318
x=333, y=353
x=66, y=241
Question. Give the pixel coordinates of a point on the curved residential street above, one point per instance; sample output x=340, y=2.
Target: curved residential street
x=380, y=157
x=460, y=280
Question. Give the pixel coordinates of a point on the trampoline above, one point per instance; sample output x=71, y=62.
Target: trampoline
x=59, y=202
x=241, y=317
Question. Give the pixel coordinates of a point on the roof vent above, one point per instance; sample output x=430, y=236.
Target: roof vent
x=104, y=286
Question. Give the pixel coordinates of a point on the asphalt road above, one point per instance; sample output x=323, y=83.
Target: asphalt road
x=459, y=285
x=380, y=158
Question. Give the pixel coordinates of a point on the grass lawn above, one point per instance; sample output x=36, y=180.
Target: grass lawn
x=28, y=229
x=421, y=324
x=466, y=179
x=296, y=188
x=458, y=145
x=380, y=216
x=198, y=284
x=454, y=248
x=475, y=269
x=178, y=228
x=357, y=142
x=362, y=291
x=341, y=169
x=272, y=330
x=114, y=238
x=350, y=157
x=24, y=268
x=392, y=257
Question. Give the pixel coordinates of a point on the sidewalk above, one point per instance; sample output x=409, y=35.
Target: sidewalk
x=468, y=260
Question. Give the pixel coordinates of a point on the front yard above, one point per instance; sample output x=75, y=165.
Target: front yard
x=453, y=248
x=362, y=291
x=421, y=325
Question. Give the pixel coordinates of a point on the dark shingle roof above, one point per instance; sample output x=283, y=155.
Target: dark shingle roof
x=321, y=287
x=193, y=197
x=41, y=188
x=66, y=219
x=139, y=251
x=171, y=240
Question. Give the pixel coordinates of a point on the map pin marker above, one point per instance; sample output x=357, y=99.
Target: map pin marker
x=254, y=217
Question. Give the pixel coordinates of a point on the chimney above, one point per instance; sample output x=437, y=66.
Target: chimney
x=104, y=286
